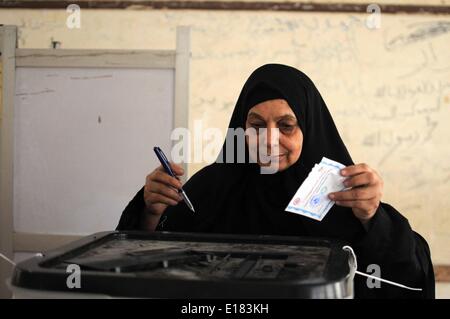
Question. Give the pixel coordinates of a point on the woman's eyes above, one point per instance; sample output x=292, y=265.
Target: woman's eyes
x=286, y=128
x=283, y=127
x=258, y=125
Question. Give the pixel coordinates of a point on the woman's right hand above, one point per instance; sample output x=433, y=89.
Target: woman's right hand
x=161, y=189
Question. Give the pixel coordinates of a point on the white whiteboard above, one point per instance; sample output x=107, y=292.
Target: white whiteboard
x=83, y=144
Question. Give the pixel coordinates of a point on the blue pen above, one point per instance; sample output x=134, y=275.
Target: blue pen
x=165, y=163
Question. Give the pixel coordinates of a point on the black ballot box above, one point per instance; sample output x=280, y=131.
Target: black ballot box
x=187, y=265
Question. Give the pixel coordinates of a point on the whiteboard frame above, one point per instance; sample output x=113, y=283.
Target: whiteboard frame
x=13, y=57
x=8, y=40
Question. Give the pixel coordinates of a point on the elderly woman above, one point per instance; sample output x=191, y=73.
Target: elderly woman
x=234, y=197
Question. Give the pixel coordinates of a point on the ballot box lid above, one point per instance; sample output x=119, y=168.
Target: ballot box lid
x=192, y=265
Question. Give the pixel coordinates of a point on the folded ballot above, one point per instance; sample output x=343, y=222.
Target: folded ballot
x=311, y=199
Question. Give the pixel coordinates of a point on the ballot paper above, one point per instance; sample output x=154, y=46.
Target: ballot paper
x=311, y=199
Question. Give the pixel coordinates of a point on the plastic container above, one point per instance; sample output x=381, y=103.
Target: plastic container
x=187, y=265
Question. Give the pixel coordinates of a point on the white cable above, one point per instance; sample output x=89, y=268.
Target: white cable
x=8, y=260
x=13, y=263
x=355, y=266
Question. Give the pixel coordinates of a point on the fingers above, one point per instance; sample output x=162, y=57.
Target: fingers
x=365, y=191
x=362, y=179
x=355, y=169
x=364, y=185
x=177, y=169
x=163, y=190
x=155, y=198
x=164, y=178
x=354, y=194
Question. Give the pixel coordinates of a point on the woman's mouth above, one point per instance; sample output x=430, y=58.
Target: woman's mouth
x=275, y=158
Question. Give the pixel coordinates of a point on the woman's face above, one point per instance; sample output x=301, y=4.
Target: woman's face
x=275, y=114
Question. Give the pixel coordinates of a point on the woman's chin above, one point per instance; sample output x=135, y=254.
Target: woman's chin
x=275, y=165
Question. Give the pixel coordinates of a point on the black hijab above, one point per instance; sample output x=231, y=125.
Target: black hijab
x=231, y=197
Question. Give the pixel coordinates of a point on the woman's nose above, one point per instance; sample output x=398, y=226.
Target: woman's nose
x=271, y=139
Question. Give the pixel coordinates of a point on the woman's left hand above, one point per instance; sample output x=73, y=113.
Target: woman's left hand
x=365, y=195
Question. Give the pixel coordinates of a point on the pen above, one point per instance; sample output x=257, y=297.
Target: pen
x=165, y=163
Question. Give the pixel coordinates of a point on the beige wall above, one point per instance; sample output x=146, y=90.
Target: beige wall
x=391, y=103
